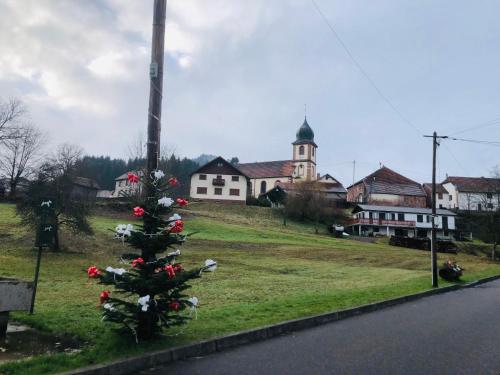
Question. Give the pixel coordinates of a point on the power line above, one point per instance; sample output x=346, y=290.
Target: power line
x=362, y=70
x=483, y=142
x=455, y=158
x=494, y=122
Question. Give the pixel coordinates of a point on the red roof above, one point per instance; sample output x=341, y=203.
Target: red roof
x=386, y=181
x=282, y=168
x=439, y=188
x=475, y=184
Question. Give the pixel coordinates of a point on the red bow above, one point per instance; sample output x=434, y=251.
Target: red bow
x=104, y=296
x=182, y=202
x=138, y=211
x=93, y=271
x=137, y=261
x=133, y=178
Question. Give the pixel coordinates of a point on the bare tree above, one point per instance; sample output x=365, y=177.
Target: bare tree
x=64, y=160
x=11, y=112
x=137, y=148
x=19, y=154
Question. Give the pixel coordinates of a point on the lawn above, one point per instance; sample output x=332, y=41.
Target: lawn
x=267, y=273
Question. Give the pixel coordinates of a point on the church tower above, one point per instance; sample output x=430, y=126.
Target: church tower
x=304, y=154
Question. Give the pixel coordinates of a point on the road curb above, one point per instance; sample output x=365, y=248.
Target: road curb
x=163, y=357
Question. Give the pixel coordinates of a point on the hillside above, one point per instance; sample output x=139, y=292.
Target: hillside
x=267, y=273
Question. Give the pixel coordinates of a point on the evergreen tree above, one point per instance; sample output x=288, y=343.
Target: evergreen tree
x=150, y=295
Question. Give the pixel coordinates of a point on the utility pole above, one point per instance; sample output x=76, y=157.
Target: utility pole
x=353, y=171
x=156, y=85
x=435, y=144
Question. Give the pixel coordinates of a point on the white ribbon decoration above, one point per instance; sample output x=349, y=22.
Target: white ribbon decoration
x=174, y=217
x=210, y=265
x=165, y=202
x=194, y=304
x=117, y=271
x=144, y=302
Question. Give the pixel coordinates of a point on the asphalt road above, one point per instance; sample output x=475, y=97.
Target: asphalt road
x=452, y=333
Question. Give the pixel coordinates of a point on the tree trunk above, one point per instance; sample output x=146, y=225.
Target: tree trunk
x=12, y=192
x=56, y=239
x=493, y=251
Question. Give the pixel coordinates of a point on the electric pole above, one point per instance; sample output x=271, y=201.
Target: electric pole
x=156, y=85
x=353, y=171
x=435, y=144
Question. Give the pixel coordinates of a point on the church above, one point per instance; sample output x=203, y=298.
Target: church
x=266, y=175
x=221, y=181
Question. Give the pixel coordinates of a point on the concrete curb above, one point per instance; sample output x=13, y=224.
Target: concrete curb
x=163, y=357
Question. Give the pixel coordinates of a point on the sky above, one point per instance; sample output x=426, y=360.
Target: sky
x=238, y=74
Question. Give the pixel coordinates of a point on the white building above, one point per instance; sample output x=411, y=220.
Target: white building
x=443, y=197
x=219, y=181
x=473, y=193
x=400, y=221
x=264, y=176
x=123, y=186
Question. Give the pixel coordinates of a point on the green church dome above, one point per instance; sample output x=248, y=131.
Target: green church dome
x=305, y=134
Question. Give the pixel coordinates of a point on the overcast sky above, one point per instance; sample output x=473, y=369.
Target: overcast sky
x=239, y=72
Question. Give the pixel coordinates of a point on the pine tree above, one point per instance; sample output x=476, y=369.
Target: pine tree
x=149, y=295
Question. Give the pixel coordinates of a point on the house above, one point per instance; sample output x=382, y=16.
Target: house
x=387, y=188
x=369, y=220
x=265, y=175
x=473, y=193
x=219, y=181
x=123, y=186
x=84, y=188
x=104, y=194
x=443, y=198
x=331, y=190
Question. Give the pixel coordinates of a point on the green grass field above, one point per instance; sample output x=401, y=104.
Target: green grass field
x=267, y=273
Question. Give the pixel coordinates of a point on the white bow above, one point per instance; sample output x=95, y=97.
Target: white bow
x=144, y=302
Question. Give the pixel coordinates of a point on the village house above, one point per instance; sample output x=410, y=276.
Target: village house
x=123, y=186
x=84, y=188
x=443, y=198
x=329, y=187
x=219, y=181
x=387, y=188
x=473, y=193
x=372, y=220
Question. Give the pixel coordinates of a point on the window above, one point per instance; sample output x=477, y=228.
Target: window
x=201, y=190
x=451, y=197
x=428, y=218
x=420, y=218
x=263, y=187
x=393, y=217
x=313, y=151
x=489, y=195
x=490, y=205
x=440, y=206
x=479, y=207
x=235, y=178
x=401, y=217
x=301, y=150
x=219, y=177
x=219, y=164
x=203, y=176
x=234, y=192
x=440, y=195
x=218, y=191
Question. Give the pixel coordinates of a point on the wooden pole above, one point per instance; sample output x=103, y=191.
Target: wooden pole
x=35, y=283
x=433, y=231
x=156, y=85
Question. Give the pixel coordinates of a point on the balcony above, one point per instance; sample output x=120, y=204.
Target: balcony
x=391, y=223
x=218, y=182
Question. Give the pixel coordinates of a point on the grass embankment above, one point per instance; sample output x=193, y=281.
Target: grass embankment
x=267, y=273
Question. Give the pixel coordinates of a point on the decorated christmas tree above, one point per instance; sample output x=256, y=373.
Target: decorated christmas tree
x=149, y=293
